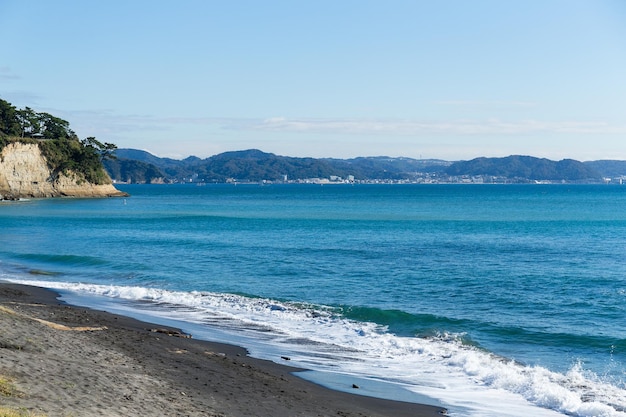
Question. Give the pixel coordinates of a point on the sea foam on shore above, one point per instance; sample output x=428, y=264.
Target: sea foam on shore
x=72, y=361
x=440, y=370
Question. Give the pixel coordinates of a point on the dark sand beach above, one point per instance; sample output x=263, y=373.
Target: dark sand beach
x=62, y=360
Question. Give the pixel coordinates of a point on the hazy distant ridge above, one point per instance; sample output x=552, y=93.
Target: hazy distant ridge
x=254, y=165
x=526, y=167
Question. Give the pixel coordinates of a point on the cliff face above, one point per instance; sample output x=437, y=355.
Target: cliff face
x=24, y=173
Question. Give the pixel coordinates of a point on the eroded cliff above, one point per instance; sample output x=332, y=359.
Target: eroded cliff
x=24, y=173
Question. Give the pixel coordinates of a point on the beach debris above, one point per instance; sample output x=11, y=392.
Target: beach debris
x=52, y=325
x=7, y=311
x=216, y=354
x=174, y=333
x=57, y=326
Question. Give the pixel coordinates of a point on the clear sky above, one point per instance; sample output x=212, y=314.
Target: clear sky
x=326, y=78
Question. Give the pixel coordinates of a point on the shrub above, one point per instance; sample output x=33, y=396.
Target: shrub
x=65, y=155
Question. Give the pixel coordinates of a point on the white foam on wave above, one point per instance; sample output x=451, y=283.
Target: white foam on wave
x=468, y=381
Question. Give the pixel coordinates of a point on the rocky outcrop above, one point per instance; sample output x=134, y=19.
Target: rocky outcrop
x=24, y=173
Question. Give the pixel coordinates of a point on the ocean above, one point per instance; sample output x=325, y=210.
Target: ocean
x=489, y=300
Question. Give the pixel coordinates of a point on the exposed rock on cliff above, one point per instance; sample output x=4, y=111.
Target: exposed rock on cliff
x=24, y=173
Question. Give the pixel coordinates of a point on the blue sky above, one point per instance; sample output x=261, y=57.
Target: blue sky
x=326, y=78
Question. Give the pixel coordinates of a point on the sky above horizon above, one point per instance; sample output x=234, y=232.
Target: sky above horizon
x=443, y=79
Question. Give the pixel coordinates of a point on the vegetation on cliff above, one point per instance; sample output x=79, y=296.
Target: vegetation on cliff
x=65, y=153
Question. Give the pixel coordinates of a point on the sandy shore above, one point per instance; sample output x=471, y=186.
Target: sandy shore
x=68, y=361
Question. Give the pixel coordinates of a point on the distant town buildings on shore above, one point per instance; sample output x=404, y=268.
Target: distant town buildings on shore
x=427, y=178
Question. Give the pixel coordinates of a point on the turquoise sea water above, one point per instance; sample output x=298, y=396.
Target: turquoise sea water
x=492, y=300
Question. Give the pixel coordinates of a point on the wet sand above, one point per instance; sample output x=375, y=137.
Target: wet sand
x=71, y=361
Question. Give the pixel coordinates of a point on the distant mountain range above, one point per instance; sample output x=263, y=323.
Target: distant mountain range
x=526, y=167
x=253, y=165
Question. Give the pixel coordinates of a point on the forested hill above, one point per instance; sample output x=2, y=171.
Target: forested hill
x=134, y=165
x=527, y=167
x=608, y=168
x=254, y=165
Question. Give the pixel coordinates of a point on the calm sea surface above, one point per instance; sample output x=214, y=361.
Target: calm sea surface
x=491, y=300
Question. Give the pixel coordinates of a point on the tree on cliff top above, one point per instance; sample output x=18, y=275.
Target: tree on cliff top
x=105, y=150
x=27, y=123
x=9, y=122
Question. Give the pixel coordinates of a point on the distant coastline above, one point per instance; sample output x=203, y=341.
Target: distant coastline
x=255, y=166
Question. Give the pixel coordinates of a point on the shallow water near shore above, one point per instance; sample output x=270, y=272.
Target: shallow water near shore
x=491, y=300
